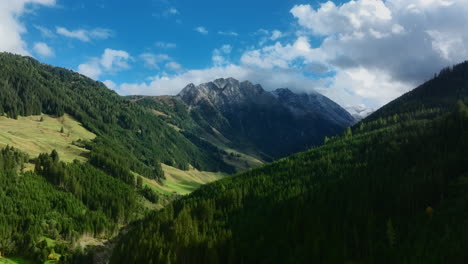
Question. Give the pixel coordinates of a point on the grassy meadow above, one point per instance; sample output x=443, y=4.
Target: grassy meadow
x=182, y=182
x=34, y=136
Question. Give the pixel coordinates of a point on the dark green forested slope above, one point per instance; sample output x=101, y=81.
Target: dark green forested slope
x=129, y=136
x=59, y=201
x=390, y=190
x=442, y=91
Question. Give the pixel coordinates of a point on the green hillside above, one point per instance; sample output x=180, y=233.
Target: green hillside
x=390, y=190
x=39, y=134
x=59, y=200
x=127, y=134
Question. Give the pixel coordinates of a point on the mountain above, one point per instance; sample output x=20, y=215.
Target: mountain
x=391, y=189
x=245, y=117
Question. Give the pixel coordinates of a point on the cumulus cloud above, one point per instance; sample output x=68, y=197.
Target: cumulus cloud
x=360, y=53
x=276, y=34
x=201, y=30
x=110, y=62
x=265, y=35
x=164, y=84
x=380, y=49
x=43, y=50
x=113, y=60
x=85, y=35
x=92, y=68
x=173, y=66
x=152, y=61
x=11, y=27
x=110, y=84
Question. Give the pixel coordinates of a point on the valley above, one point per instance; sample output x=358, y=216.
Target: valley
x=233, y=132
x=94, y=163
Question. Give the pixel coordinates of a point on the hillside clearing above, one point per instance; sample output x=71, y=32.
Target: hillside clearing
x=182, y=182
x=34, y=136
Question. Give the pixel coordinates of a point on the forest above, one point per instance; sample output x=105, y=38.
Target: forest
x=391, y=189
x=59, y=202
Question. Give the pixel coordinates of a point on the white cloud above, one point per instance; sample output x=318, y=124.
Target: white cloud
x=43, y=49
x=228, y=33
x=45, y=32
x=172, y=11
x=164, y=84
x=265, y=35
x=226, y=49
x=371, y=51
x=379, y=49
x=166, y=12
x=115, y=59
x=220, y=55
x=349, y=87
x=110, y=62
x=11, y=27
x=152, y=60
x=201, y=30
x=276, y=34
x=110, y=84
x=92, y=69
x=280, y=56
x=173, y=66
x=85, y=35
x=165, y=45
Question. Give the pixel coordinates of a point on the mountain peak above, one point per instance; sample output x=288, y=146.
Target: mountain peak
x=222, y=83
x=221, y=92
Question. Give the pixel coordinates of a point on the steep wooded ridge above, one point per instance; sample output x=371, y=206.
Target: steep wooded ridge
x=245, y=117
x=392, y=189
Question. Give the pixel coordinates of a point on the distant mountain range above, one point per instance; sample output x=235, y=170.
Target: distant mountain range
x=245, y=117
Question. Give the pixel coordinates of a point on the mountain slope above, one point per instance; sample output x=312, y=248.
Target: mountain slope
x=244, y=117
x=123, y=129
x=390, y=190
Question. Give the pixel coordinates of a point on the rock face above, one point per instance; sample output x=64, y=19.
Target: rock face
x=276, y=123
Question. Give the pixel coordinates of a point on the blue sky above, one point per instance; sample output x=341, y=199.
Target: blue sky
x=152, y=25
x=360, y=53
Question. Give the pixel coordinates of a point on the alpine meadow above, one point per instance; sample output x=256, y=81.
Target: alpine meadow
x=173, y=131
